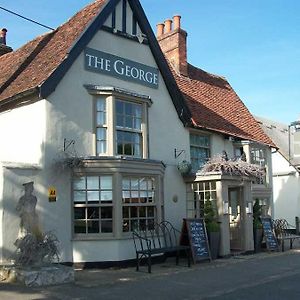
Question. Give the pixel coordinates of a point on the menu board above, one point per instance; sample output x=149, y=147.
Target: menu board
x=269, y=234
x=194, y=233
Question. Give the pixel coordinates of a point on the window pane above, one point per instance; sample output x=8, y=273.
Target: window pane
x=119, y=107
x=106, y=212
x=79, y=227
x=93, y=196
x=101, y=134
x=79, y=213
x=79, y=196
x=93, y=212
x=93, y=226
x=101, y=118
x=101, y=147
x=133, y=212
x=79, y=183
x=101, y=104
x=93, y=183
x=106, y=226
x=106, y=196
x=126, y=212
x=106, y=182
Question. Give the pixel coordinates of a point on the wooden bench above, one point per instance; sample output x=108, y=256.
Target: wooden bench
x=161, y=238
x=283, y=232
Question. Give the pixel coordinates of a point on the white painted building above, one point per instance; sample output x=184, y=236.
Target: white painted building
x=286, y=180
x=93, y=112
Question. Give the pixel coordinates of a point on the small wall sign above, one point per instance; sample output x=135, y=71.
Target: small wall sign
x=52, y=194
x=112, y=65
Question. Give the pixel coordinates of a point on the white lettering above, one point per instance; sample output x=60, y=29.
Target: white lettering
x=99, y=63
x=89, y=59
x=107, y=65
x=127, y=71
x=149, y=77
x=136, y=73
x=116, y=66
x=155, y=79
x=142, y=75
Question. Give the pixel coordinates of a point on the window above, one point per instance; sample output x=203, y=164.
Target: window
x=120, y=122
x=258, y=157
x=200, y=150
x=197, y=194
x=139, y=203
x=129, y=128
x=93, y=206
x=101, y=126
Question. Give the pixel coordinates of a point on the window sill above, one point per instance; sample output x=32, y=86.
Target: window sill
x=84, y=238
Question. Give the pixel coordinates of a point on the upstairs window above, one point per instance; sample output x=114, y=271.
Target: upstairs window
x=129, y=133
x=120, y=122
x=258, y=157
x=199, y=150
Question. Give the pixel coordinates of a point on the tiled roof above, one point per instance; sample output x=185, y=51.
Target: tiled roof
x=215, y=106
x=29, y=66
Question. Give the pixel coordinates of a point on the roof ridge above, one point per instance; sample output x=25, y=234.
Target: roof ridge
x=208, y=73
x=41, y=44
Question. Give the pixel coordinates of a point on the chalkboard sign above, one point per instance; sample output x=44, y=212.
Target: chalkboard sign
x=269, y=234
x=194, y=233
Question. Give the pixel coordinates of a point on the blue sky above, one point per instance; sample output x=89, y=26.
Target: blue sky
x=255, y=44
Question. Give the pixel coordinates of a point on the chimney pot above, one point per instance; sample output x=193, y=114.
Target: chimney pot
x=160, y=29
x=3, y=36
x=168, y=25
x=176, y=21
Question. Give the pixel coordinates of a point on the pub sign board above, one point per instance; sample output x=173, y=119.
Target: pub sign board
x=125, y=69
x=194, y=233
x=269, y=234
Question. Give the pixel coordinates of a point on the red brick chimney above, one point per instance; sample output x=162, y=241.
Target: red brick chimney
x=3, y=48
x=172, y=40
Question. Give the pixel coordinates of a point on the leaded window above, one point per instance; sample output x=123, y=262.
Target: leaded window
x=139, y=202
x=93, y=205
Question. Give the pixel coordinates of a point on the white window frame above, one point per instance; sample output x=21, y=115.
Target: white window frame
x=197, y=146
x=111, y=95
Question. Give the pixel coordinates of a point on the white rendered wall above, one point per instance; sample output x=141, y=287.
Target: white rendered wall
x=22, y=132
x=286, y=189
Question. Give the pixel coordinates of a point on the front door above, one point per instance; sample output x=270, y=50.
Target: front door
x=235, y=218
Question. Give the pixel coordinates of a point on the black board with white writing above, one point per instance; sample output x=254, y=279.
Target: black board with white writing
x=269, y=234
x=194, y=233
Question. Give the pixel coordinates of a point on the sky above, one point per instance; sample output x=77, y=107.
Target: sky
x=255, y=44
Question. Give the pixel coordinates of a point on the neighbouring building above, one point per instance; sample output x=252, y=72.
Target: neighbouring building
x=286, y=168
x=99, y=113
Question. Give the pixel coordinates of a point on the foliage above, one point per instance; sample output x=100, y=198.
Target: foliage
x=36, y=249
x=237, y=167
x=184, y=167
x=257, y=212
x=210, y=217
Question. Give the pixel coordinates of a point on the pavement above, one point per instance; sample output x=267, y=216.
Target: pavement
x=238, y=277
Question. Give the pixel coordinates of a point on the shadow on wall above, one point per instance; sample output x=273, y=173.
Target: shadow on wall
x=287, y=200
x=53, y=216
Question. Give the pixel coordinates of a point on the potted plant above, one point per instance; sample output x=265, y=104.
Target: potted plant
x=212, y=228
x=257, y=226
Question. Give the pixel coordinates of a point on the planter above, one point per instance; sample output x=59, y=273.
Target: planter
x=257, y=237
x=214, y=243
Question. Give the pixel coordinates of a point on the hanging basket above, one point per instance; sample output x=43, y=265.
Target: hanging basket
x=184, y=167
